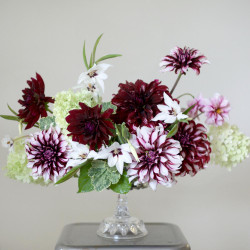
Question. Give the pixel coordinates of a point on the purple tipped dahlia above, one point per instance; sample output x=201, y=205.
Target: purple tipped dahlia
x=195, y=147
x=159, y=157
x=137, y=102
x=34, y=102
x=182, y=59
x=47, y=154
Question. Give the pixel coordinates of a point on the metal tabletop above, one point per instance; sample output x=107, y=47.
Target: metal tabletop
x=82, y=236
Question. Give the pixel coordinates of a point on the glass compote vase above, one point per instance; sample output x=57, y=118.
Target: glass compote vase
x=121, y=225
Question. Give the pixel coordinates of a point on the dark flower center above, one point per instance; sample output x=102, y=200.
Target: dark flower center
x=150, y=156
x=116, y=151
x=184, y=139
x=48, y=154
x=92, y=73
x=89, y=127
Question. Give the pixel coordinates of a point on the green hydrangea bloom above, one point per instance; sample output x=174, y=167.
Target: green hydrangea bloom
x=229, y=145
x=68, y=100
x=17, y=165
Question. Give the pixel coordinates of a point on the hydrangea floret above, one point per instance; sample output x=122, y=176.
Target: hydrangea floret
x=229, y=145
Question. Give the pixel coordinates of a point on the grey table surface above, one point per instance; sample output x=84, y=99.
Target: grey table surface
x=82, y=236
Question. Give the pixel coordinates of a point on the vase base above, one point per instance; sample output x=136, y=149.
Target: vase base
x=122, y=228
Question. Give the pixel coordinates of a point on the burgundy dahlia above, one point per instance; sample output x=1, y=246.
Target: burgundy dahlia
x=137, y=102
x=180, y=60
x=47, y=154
x=34, y=101
x=159, y=157
x=89, y=126
x=195, y=147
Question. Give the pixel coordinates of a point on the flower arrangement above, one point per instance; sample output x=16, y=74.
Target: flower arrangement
x=143, y=137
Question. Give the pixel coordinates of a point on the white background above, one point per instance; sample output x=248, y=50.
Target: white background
x=212, y=208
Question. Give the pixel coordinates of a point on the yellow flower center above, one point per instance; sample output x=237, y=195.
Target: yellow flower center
x=218, y=111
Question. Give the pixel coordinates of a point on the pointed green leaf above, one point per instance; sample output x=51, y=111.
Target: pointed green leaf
x=84, y=57
x=187, y=110
x=10, y=117
x=173, y=131
x=95, y=46
x=133, y=151
x=107, y=57
x=90, y=61
x=84, y=181
x=72, y=172
x=14, y=112
x=123, y=186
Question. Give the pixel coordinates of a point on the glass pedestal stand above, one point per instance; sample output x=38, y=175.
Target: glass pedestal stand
x=122, y=225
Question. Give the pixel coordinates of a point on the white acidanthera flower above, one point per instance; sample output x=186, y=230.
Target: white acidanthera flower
x=78, y=154
x=117, y=155
x=94, y=78
x=7, y=142
x=170, y=112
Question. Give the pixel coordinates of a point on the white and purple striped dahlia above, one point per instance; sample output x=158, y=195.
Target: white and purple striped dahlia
x=47, y=153
x=159, y=157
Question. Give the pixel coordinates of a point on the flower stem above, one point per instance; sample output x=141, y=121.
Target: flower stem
x=198, y=115
x=184, y=95
x=175, y=84
x=21, y=137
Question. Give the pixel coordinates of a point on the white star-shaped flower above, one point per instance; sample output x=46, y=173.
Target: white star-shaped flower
x=117, y=155
x=78, y=154
x=94, y=77
x=170, y=112
x=7, y=142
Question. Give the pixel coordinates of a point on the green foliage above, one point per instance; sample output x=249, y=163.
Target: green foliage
x=84, y=57
x=84, y=181
x=122, y=133
x=11, y=110
x=173, y=130
x=46, y=122
x=72, y=172
x=108, y=105
x=107, y=57
x=102, y=176
x=123, y=186
x=10, y=117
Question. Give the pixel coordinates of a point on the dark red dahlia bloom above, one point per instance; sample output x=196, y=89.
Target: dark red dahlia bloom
x=34, y=102
x=182, y=59
x=137, y=102
x=89, y=126
x=195, y=147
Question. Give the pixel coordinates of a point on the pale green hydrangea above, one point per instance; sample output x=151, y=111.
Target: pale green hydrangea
x=68, y=100
x=17, y=165
x=229, y=145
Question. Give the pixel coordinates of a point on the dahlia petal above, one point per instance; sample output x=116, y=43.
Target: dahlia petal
x=153, y=184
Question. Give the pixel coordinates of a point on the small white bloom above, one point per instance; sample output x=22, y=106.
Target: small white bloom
x=7, y=142
x=116, y=154
x=94, y=78
x=169, y=112
x=78, y=154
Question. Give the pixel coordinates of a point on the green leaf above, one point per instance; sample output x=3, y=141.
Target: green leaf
x=133, y=151
x=46, y=122
x=187, y=110
x=102, y=176
x=107, y=57
x=72, y=172
x=173, y=131
x=84, y=57
x=90, y=61
x=108, y=105
x=95, y=46
x=84, y=181
x=10, y=117
x=122, y=133
x=14, y=112
x=123, y=186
